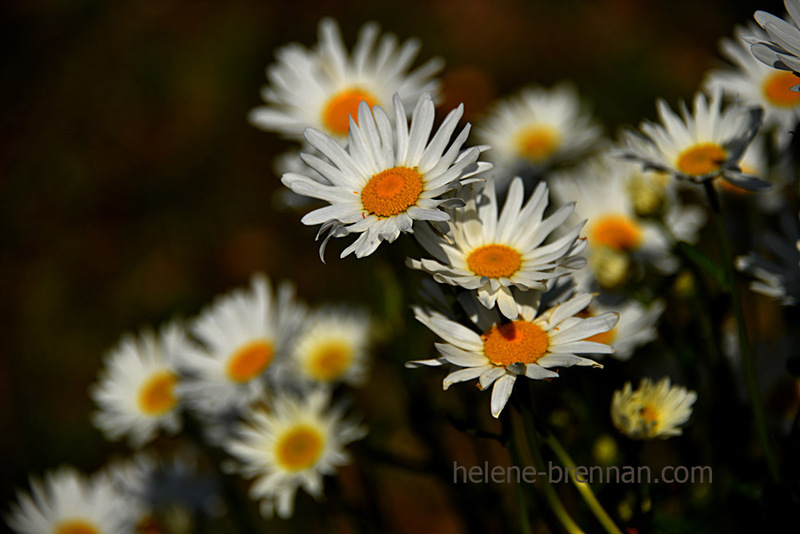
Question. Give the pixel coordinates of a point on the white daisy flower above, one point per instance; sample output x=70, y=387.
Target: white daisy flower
x=778, y=279
x=137, y=390
x=653, y=410
x=293, y=446
x=753, y=83
x=531, y=345
x=388, y=177
x=539, y=128
x=780, y=48
x=700, y=146
x=246, y=336
x=67, y=502
x=491, y=252
x=605, y=192
x=637, y=326
x=332, y=346
x=322, y=88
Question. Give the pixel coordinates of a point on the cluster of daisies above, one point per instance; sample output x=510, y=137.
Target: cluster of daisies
x=256, y=373
x=547, y=246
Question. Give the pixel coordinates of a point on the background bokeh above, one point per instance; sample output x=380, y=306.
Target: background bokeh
x=132, y=189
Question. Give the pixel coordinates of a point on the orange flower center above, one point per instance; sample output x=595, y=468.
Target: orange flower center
x=537, y=143
x=778, y=89
x=329, y=360
x=392, y=191
x=617, y=232
x=299, y=448
x=337, y=112
x=250, y=360
x=649, y=414
x=75, y=526
x=157, y=396
x=701, y=159
x=494, y=261
x=515, y=342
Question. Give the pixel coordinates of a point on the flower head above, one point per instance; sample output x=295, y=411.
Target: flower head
x=653, y=410
x=388, y=176
x=780, y=48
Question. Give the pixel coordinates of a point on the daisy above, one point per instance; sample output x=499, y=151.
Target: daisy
x=322, y=88
x=388, y=177
x=332, y=347
x=780, y=48
x=539, y=128
x=531, y=345
x=605, y=192
x=779, y=279
x=492, y=253
x=292, y=446
x=137, y=390
x=246, y=336
x=67, y=502
x=753, y=83
x=636, y=326
x=653, y=410
x=701, y=146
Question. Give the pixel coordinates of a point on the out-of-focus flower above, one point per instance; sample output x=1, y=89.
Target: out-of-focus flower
x=636, y=326
x=780, y=48
x=532, y=345
x=753, y=83
x=539, y=128
x=67, y=502
x=294, y=445
x=698, y=146
x=322, y=88
x=332, y=346
x=246, y=337
x=137, y=389
x=654, y=410
x=388, y=176
x=492, y=253
x=779, y=279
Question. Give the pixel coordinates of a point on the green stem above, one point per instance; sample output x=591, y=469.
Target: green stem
x=520, y=447
x=751, y=377
x=583, y=487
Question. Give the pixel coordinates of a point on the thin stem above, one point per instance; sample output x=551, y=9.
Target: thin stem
x=521, y=447
x=583, y=487
x=751, y=377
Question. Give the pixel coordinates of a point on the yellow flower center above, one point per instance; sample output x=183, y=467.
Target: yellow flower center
x=75, y=526
x=337, y=112
x=299, y=448
x=392, y=191
x=537, y=143
x=157, y=395
x=649, y=414
x=515, y=342
x=329, y=360
x=617, y=232
x=778, y=89
x=701, y=159
x=250, y=360
x=494, y=261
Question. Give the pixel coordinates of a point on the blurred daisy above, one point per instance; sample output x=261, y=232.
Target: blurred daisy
x=532, y=345
x=539, y=128
x=653, y=410
x=778, y=279
x=332, y=346
x=780, y=48
x=701, y=146
x=137, y=390
x=636, y=327
x=753, y=83
x=246, y=336
x=67, y=502
x=293, y=446
x=388, y=177
x=322, y=88
x=492, y=254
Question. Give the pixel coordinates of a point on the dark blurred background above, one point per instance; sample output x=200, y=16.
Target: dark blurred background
x=132, y=189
